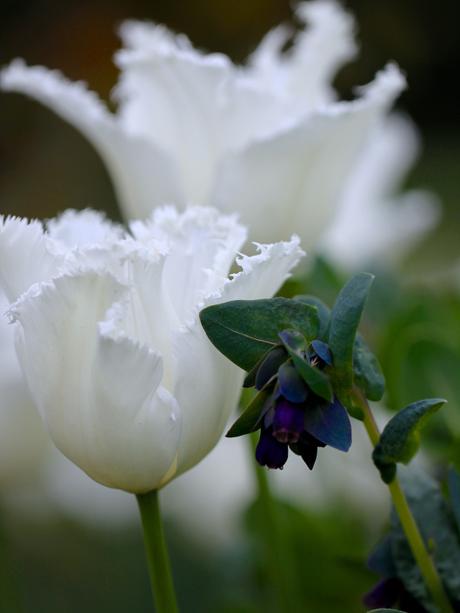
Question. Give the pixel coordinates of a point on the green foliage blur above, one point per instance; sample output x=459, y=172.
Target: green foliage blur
x=412, y=320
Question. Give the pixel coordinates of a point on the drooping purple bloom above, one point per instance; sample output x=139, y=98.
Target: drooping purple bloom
x=269, y=451
x=288, y=421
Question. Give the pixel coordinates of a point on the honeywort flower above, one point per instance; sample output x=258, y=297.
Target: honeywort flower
x=294, y=417
x=267, y=139
x=109, y=338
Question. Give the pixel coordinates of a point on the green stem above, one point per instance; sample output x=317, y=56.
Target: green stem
x=281, y=571
x=157, y=553
x=414, y=538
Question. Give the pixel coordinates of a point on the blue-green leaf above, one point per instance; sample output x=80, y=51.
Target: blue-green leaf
x=250, y=419
x=324, y=314
x=345, y=318
x=297, y=347
x=401, y=437
x=245, y=330
x=367, y=373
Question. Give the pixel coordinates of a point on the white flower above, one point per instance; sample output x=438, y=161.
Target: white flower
x=373, y=223
x=267, y=140
x=109, y=338
x=22, y=438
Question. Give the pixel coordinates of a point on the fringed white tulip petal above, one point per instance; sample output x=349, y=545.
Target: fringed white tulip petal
x=22, y=437
x=27, y=256
x=139, y=422
x=263, y=274
x=307, y=70
x=83, y=228
x=99, y=396
x=170, y=94
x=144, y=314
x=295, y=178
x=203, y=372
x=144, y=176
x=372, y=221
x=326, y=45
x=199, y=247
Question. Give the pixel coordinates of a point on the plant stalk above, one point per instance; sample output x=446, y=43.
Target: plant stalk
x=157, y=553
x=281, y=570
x=409, y=525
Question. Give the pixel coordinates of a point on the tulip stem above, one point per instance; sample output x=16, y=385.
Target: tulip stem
x=408, y=523
x=278, y=559
x=157, y=553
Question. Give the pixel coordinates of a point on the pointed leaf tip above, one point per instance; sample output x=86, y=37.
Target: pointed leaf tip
x=400, y=438
x=345, y=318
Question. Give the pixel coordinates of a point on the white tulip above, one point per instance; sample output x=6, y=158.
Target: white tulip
x=109, y=338
x=267, y=140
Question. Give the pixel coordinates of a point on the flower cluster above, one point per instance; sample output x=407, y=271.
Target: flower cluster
x=293, y=416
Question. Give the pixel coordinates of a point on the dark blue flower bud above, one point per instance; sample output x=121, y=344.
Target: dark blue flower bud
x=269, y=366
x=307, y=449
x=288, y=421
x=291, y=384
x=322, y=351
x=269, y=451
x=385, y=593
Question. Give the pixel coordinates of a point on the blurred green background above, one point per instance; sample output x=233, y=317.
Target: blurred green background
x=413, y=319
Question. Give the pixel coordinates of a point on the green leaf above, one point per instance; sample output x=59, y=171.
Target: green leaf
x=432, y=516
x=367, y=373
x=386, y=611
x=345, y=318
x=244, y=330
x=249, y=420
x=324, y=314
x=401, y=437
x=297, y=346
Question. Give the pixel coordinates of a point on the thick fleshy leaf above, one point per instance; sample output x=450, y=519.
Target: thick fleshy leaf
x=291, y=384
x=244, y=330
x=345, y=318
x=367, y=373
x=324, y=314
x=250, y=419
x=330, y=424
x=297, y=347
x=400, y=439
